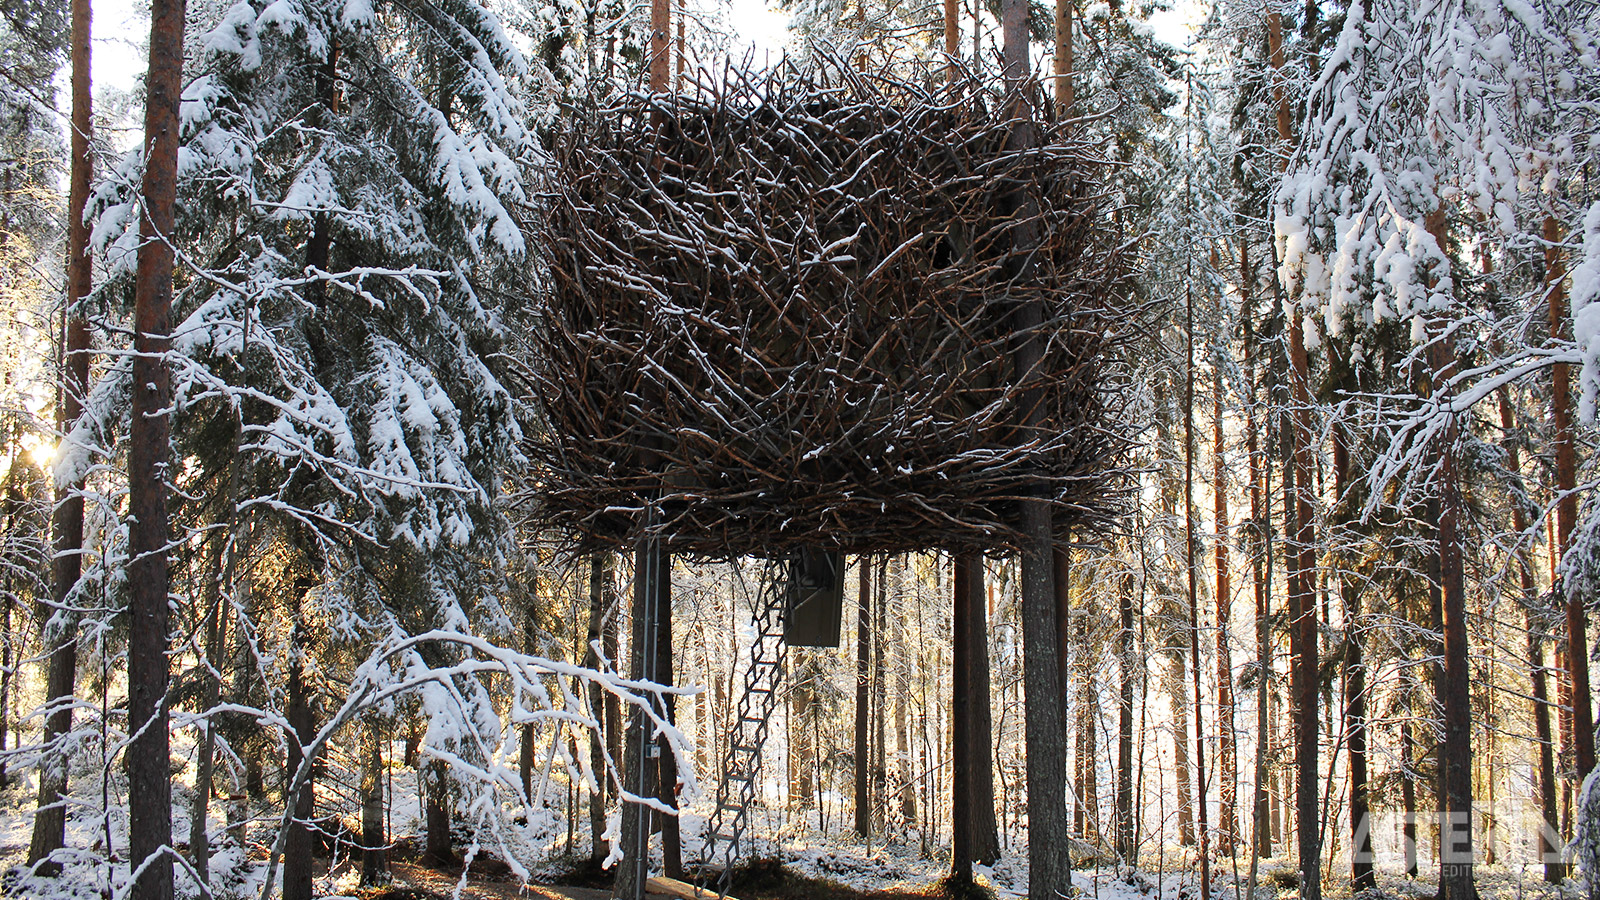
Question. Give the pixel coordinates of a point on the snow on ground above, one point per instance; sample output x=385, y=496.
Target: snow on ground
x=833, y=853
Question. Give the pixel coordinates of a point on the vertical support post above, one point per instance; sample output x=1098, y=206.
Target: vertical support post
x=640, y=765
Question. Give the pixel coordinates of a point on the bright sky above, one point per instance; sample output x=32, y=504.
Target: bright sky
x=122, y=26
x=764, y=27
x=757, y=25
x=120, y=29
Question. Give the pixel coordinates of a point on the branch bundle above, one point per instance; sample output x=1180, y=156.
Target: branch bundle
x=783, y=309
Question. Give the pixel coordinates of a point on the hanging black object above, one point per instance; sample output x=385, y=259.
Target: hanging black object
x=815, y=598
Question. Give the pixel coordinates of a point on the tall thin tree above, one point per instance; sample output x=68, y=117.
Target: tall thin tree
x=1049, y=864
x=863, y=796
x=1567, y=502
x=1227, y=745
x=50, y=823
x=149, y=777
x=1300, y=549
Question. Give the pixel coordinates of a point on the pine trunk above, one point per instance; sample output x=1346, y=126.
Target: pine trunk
x=147, y=757
x=880, y=719
x=374, y=843
x=952, y=38
x=1567, y=506
x=60, y=632
x=594, y=643
x=1191, y=560
x=667, y=785
x=300, y=845
x=1408, y=778
x=1454, y=694
x=1125, y=671
x=1049, y=862
x=863, y=697
x=1362, y=876
x=985, y=830
x=438, y=848
x=1089, y=790
x=1063, y=58
x=1227, y=749
x=962, y=803
x=1301, y=551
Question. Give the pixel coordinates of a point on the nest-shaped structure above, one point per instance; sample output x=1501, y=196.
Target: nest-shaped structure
x=785, y=310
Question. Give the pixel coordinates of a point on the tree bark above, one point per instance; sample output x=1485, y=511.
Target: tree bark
x=50, y=822
x=985, y=830
x=1227, y=749
x=612, y=644
x=667, y=783
x=148, y=765
x=880, y=719
x=1191, y=551
x=952, y=39
x=1567, y=505
x=598, y=848
x=863, y=697
x=300, y=845
x=962, y=804
x=1455, y=753
x=1302, y=558
x=660, y=44
x=1454, y=695
x=6, y=666
x=374, y=843
x=1063, y=58
x=1049, y=862
x=1125, y=672
x=1362, y=876
x=439, y=849
x=640, y=773
x=1408, y=778
x=525, y=736
x=682, y=56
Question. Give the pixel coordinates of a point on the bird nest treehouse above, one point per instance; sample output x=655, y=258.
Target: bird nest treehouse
x=783, y=312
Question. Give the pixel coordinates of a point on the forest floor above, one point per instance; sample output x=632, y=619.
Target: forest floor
x=794, y=861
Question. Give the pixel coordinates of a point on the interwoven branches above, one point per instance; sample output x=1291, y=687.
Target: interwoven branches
x=783, y=308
